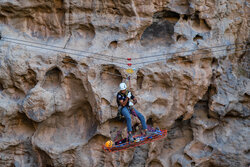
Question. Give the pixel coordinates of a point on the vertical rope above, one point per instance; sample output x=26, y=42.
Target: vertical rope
x=69, y=22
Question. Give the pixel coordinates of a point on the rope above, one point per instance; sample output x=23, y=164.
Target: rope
x=188, y=56
x=217, y=46
x=59, y=47
x=63, y=52
x=121, y=58
x=120, y=63
x=165, y=59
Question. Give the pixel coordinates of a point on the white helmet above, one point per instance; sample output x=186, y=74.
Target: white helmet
x=123, y=86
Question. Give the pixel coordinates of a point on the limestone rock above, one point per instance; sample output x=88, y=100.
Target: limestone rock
x=61, y=63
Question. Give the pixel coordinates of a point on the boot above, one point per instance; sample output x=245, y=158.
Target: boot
x=130, y=138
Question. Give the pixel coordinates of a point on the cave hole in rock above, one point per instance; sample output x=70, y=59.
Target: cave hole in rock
x=202, y=104
x=28, y=80
x=200, y=25
x=160, y=32
x=84, y=31
x=31, y=77
x=212, y=90
x=181, y=38
x=155, y=163
x=247, y=151
x=139, y=79
x=166, y=15
x=178, y=37
x=90, y=122
x=52, y=79
x=177, y=164
x=198, y=37
x=110, y=77
x=1, y=86
x=150, y=122
x=75, y=90
x=69, y=62
x=185, y=17
x=45, y=158
x=233, y=113
x=113, y=45
x=244, y=64
x=215, y=62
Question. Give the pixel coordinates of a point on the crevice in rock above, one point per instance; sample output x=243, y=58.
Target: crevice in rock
x=177, y=164
x=244, y=64
x=139, y=79
x=113, y=45
x=203, y=103
x=166, y=15
x=212, y=90
x=187, y=157
x=197, y=37
x=181, y=38
x=200, y=25
x=3, y=19
x=27, y=81
x=44, y=158
x=179, y=135
x=53, y=79
x=150, y=121
x=185, y=17
x=155, y=163
x=69, y=62
x=215, y=62
x=1, y=87
x=27, y=122
x=247, y=151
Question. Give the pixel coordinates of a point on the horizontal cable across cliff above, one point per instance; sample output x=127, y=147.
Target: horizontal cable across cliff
x=120, y=61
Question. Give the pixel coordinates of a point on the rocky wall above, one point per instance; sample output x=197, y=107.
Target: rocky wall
x=61, y=63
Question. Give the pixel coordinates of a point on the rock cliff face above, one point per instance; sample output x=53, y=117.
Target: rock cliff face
x=61, y=62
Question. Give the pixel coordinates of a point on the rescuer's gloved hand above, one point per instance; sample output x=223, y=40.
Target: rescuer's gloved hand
x=129, y=95
x=130, y=103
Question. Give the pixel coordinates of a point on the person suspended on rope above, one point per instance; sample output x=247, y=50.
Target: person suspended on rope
x=125, y=108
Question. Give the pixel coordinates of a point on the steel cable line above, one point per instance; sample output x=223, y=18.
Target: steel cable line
x=217, y=46
x=165, y=59
x=115, y=57
x=120, y=63
x=37, y=43
x=64, y=52
x=187, y=56
x=160, y=60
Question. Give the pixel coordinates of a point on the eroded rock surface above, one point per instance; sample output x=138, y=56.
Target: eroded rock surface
x=61, y=63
